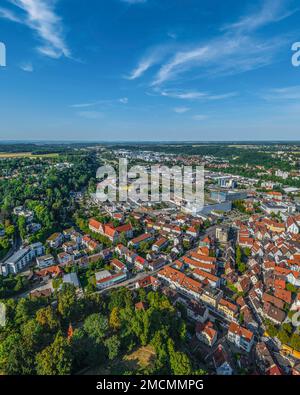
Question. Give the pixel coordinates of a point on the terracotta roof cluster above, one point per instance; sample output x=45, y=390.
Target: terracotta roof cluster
x=240, y=331
x=181, y=279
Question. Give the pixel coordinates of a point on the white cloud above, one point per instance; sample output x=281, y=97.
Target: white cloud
x=181, y=110
x=8, y=14
x=39, y=15
x=224, y=55
x=223, y=96
x=152, y=57
x=28, y=67
x=286, y=93
x=180, y=59
x=270, y=12
x=84, y=105
x=192, y=95
x=237, y=50
x=143, y=66
x=196, y=95
x=91, y=114
x=103, y=102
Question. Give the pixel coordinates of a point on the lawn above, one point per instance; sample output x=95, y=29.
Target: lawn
x=141, y=358
x=11, y=155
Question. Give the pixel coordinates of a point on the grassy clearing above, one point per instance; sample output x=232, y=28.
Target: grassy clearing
x=141, y=358
x=11, y=155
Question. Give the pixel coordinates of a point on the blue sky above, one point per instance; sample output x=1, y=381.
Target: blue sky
x=149, y=70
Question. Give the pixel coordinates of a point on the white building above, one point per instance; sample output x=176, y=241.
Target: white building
x=17, y=262
x=240, y=336
x=45, y=261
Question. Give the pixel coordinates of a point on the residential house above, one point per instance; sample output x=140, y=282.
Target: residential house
x=71, y=278
x=118, y=265
x=144, y=238
x=197, y=311
x=211, y=296
x=140, y=263
x=206, y=333
x=157, y=264
x=240, y=336
x=64, y=258
x=221, y=362
x=148, y=282
x=105, y=279
x=229, y=309
x=20, y=259
x=160, y=244
x=273, y=313
x=207, y=278
x=45, y=261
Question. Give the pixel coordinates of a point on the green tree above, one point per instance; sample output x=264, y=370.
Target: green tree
x=55, y=359
x=22, y=226
x=15, y=356
x=66, y=305
x=96, y=326
x=283, y=336
x=113, y=346
x=179, y=362
x=114, y=319
x=238, y=255
x=47, y=317
x=295, y=341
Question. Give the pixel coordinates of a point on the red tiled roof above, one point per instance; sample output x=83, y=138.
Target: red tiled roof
x=239, y=330
x=124, y=228
x=94, y=223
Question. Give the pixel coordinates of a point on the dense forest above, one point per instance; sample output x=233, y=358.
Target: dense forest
x=68, y=336
x=44, y=187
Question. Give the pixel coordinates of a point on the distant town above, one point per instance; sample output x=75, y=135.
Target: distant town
x=150, y=287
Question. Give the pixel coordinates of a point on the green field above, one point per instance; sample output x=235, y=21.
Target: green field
x=8, y=155
x=141, y=358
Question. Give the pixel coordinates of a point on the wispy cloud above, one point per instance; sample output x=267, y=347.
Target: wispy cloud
x=84, y=105
x=192, y=95
x=181, y=110
x=145, y=64
x=124, y=100
x=10, y=15
x=153, y=56
x=286, y=93
x=196, y=95
x=27, y=67
x=91, y=114
x=239, y=49
x=103, y=102
x=40, y=16
x=179, y=62
x=225, y=55
x=271, y=11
